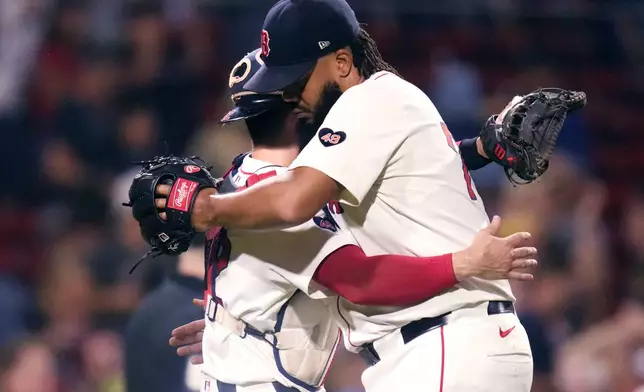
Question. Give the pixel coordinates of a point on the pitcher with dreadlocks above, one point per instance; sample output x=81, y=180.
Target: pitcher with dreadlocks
x=261, y=331
x=384, y=152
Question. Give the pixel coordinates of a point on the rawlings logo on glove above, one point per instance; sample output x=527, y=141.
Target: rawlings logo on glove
x=181, y=193
x=168, y=230
x=522, y=138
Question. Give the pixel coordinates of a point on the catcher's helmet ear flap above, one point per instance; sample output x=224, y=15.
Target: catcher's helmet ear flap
x=248, y=103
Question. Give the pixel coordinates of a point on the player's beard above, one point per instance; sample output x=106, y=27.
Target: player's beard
x=307, y=128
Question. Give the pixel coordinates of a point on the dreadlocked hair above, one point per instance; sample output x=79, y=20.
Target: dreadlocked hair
x=367, y=57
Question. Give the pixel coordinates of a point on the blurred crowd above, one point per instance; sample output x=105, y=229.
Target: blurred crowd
x=88, y=86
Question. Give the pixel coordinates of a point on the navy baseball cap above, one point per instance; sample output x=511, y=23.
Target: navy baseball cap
x=295, y=34
x=248, y=103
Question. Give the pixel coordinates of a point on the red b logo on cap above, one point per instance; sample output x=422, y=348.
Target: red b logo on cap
x=265, y=39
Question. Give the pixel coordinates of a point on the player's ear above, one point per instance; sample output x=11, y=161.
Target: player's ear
x=344, y=62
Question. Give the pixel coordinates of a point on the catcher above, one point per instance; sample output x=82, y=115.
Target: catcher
x=169, y=236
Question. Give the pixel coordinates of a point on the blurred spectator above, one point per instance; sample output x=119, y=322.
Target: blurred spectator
x=105, y=21
x=13, y=308
x=22, y=27
x=138, y=137
x=633, y=232
x=568, y=291
x=29, y=367
x=147, y=34
x=86, y=120
x=72, y=196
x=66, y=294
x=151, y=363
x=456, y=91
x=606, y=356
x=103, y=362
x=117, y=292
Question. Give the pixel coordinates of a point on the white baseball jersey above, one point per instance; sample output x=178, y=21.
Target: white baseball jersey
x=407, y=190
x=265, y=279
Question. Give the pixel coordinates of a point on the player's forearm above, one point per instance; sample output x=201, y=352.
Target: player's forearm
x=386, y=280
x=277, y=202
x=473, y=154
x=265, y=205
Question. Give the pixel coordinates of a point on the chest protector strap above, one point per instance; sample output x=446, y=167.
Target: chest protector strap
x=303, y=354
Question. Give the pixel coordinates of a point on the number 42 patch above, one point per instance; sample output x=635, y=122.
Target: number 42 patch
x=329, y=138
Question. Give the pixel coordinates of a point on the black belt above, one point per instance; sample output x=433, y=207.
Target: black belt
x=416, y=328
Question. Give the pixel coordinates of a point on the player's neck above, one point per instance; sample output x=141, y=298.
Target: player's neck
x=353, y=79
x=282, y=155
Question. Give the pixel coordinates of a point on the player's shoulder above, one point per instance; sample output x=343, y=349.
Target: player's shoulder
x=384, y=91
x=387, y=85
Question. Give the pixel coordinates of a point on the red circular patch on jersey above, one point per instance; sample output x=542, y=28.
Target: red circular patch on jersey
x=266, y=49
x=191, y=169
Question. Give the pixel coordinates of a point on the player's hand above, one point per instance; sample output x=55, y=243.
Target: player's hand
x=188, y=337
x=492, y=145
x=490, y=257
x=160, y=196
x=201, y=209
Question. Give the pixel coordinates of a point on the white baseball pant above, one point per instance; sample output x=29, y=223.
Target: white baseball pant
x=471, y=352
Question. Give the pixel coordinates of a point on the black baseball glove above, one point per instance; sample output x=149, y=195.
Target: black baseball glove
x=523, y=137
x=186, y=176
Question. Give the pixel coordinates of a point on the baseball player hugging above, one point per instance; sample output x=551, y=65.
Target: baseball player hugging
x=407, y=264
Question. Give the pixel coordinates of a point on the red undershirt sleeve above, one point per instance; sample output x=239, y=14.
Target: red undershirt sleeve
x=386, y=280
